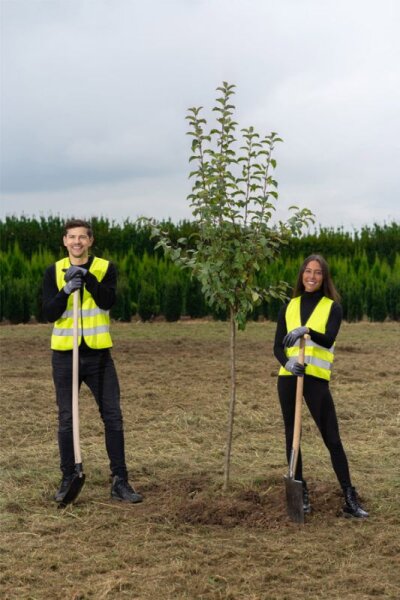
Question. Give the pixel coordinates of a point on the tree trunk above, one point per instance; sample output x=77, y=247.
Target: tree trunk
x=232, y=401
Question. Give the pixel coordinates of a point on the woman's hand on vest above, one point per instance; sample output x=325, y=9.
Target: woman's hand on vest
x=74, y=270
x=292, y=336
x=295, y=368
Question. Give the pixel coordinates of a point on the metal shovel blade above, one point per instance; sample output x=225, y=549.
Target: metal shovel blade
x=294, y=499
x=73, y=490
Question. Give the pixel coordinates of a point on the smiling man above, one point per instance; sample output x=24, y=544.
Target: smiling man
x=96, y=280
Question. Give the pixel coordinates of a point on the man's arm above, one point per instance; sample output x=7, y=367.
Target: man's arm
x=54, y=300
x=103, y=292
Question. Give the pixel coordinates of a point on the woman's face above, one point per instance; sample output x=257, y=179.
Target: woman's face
x=312, y=276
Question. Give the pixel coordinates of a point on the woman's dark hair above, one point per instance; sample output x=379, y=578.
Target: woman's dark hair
x=72, y=223
x=327, y=287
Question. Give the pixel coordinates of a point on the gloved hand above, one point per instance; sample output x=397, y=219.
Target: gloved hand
x=74, y=284
x=292, y=336
x=73, y=270
x=295, y=368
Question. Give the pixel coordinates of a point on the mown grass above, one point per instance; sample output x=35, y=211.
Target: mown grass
x=189, y=540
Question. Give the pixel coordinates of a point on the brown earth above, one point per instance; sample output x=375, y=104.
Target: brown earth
x=189, y=539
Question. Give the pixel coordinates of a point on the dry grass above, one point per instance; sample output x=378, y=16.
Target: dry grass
x=188, y=540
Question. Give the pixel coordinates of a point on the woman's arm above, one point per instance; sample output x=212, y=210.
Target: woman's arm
x=280, y=333
x=328, y=338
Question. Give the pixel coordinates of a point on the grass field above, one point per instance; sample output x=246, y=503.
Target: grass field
x=189, y=540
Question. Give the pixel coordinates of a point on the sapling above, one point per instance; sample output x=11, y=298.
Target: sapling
x=233, y=199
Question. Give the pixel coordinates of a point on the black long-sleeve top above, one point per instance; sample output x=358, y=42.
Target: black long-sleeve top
x=309, y=301
x=55, y=300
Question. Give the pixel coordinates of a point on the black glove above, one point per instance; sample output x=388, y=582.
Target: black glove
x=73, y=270
x=291, y=337
x=295, y=368
x=73, y=284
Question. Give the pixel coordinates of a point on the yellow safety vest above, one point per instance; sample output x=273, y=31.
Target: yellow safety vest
x=94, y=322
x=319, y=359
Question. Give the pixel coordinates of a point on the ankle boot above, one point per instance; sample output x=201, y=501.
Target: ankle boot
x=353, y=508
x=306, y=499
x=63, y=488
x=123, y=491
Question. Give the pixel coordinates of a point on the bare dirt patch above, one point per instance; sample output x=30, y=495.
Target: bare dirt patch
x=199, y=501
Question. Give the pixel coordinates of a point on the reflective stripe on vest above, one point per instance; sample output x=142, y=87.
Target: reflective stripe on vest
x=94, y=323
x=319, y=359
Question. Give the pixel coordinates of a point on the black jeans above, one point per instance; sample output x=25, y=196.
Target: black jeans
x=320, y=404
x=97, y=370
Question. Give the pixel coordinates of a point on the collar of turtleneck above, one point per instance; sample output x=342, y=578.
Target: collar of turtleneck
x=309, y=301
x=317, y=294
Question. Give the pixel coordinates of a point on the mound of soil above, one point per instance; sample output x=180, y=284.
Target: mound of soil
x=199, y=501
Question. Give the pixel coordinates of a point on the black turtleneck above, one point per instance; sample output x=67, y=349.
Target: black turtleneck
x=308, y=303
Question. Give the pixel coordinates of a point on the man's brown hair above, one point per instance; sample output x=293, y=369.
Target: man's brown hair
x=72, y=223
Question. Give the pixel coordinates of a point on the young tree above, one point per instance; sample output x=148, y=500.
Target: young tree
x=233, y=199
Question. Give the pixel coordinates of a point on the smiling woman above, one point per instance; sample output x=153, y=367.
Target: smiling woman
x=312, y=276
x=314, y=310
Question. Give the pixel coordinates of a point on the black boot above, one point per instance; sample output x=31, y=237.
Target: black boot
x=121, y=490
x=306, y=499
x=64, y=486
x=352, y=508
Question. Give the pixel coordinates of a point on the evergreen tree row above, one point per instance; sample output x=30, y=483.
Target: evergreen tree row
x=117, y=240
x=150, y=285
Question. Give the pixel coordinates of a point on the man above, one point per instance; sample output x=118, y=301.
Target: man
x=96, y=280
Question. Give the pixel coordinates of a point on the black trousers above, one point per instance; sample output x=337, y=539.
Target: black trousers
x=320, y=404
x=97, y=370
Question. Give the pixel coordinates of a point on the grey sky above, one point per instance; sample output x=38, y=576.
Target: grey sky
x=95, y=93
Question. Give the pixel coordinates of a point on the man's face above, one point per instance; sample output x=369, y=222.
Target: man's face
x=78, y=243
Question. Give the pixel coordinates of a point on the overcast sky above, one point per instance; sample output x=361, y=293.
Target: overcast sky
x=94, y=96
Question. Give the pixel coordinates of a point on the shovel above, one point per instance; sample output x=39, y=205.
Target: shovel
x=294, y=488
x=78, y=478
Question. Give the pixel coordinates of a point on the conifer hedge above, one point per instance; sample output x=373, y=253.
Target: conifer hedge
x=365, y=266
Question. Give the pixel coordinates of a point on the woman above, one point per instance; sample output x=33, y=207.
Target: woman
x=313, y=310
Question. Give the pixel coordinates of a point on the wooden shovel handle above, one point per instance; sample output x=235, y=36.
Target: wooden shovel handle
x=75, y=379
x=298, y=407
